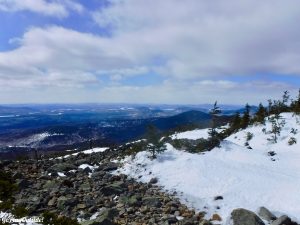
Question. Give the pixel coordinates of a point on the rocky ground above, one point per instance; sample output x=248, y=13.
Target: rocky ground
x=93, y=194
x=83, y=187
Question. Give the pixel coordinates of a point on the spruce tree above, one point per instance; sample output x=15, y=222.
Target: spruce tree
x=295, y=106
x=270, y=107
x=277, y=125
x=285, y=101
x=246, y=117
x=236, y=122
x=214, y=136
x=260, y=114
x=154, y=143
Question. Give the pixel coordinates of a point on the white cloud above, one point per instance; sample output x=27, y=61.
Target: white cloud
x=49, y=8
x=205, y=38
x=195, y=45
x=62, y=57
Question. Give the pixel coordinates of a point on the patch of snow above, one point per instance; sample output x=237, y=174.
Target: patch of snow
x=61, y=174
x=193, y=135
x=89, y=151
x=245, y=178
x=83, y=166
x=94, y=150
x=94, y=216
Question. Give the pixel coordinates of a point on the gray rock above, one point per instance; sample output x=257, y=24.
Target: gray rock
x=219, y=197
x=52, y=201
x=51, y=184
x=245, y=217
x=131, y=201
x=85, y=186
x=63, y=202
x=62, y=167
x=153, y=180
x=108, y=166
x=172, y=220
x=265, y=214
x=17, y=175
x=205, y=222
x=152, y=201
x=112, y=189
x=105, y=217
x=98, y=174
x=22, y=183
x=282, y=220
x=81, y=161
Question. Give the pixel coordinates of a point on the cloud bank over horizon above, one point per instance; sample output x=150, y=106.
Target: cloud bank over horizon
x=136, y=51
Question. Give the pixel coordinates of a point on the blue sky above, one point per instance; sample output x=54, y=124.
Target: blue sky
x=137, y=51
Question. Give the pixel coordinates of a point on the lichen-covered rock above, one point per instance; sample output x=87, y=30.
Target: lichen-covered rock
x=245, y=217
x=265, y=214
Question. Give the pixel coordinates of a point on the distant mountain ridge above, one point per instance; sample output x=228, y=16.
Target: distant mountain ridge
x=190, y=117
x=66, y=135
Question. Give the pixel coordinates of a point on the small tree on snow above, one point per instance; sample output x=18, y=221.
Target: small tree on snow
x=214, y=136
x=246, y=117
x=260, y=114
x=154, y=143
x=295, y=106
x=285, y=100
x=236, y=122
x=277, y=123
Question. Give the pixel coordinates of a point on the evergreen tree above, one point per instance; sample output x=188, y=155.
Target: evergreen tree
x=214, y=136
x=285, y=101
x=270, y=107
x=246, y=117
x=295, y=106
x=236, y=122
x=154, y=143
x=277, y=125
x=260, y=114
x=277, y=107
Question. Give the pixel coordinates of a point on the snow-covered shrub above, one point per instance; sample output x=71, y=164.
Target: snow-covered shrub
x=294, y=131
x=154, y=143
x=277, y=123
x=292, y=141
x=249, y=136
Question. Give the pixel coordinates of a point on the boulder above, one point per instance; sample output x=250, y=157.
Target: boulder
x=105, y=217
x=205, y=222
x=110, y=166
x=245, y=217
x=62, y=167
x=219, y=197
x=112, y=189
x=63, y=202
x=51, y=184
x=153, y=180
x=152, y=201
x=131, y=201
x=22, y=183
x=17, y=175
x=282, y=220
x=265, y=214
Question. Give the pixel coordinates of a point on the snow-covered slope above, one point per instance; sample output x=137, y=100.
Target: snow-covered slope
x=193, y=134
x=247, y=178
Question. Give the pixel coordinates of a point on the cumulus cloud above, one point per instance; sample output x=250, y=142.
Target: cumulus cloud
x=205, y=38
x=62, y=56
x=195, y=46
x=48, y=8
